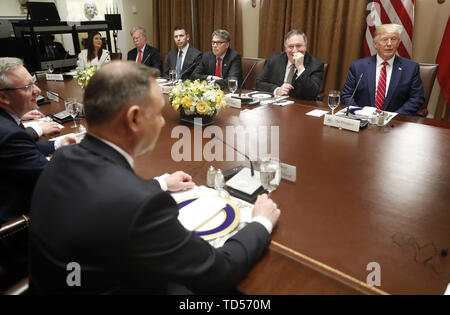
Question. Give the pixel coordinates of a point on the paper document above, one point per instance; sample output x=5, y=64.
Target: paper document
x=317, y=113
x=243, y=181
x=200, y=211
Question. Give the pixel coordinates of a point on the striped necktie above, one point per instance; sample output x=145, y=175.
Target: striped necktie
x=179, y=61
x=381, y=89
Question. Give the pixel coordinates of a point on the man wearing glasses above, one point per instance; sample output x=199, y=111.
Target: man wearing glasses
x=389, y=82
x=221, y=63
x=294, y=72
x=21, y=158
x=143, y=53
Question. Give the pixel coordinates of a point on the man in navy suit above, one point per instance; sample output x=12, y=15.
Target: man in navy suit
x=89, y=207
x=389, y=82
x=294, y=72
x=21, y=158
x=143, y=53
x=185, y=58
x=221, y=63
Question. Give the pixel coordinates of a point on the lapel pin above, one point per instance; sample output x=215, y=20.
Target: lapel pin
x=400, y=68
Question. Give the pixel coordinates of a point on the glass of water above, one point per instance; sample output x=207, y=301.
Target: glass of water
x=173, y=76
x=334, y=97
x=270, y=173
x=232, y=85
x=73, y=108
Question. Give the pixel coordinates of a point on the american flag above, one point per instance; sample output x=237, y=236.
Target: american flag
x=386, y=12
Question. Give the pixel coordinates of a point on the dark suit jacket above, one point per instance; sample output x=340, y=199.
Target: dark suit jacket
x=151, y=57
x=405, y=92
x=58, y=49
x=21, y=162
x=306, y=86
x=89, y=207
x=193, y=56
x=231, y=67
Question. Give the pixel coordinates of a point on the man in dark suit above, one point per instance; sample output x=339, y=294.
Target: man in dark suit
x=294, y=72
x=220, y=64
x=51, y=50
x=184, y=58
x=389, y=82
x=21, y=158
x=118, y=233
x=143, y=53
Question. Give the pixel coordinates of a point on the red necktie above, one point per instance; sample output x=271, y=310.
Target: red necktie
x=219, y=68
x=22, y=126
x=381, y=89
x=140, y=57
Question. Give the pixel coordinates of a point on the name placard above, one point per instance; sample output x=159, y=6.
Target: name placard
x=233, y=102
x=53, y=96
x=54, y=77
x=342, y=122
x=288, y=172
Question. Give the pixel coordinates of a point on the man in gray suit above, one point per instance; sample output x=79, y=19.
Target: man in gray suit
x=294, y=72
x=184, y=58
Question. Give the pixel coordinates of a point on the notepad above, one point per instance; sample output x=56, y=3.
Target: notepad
x=243, y=181
x=199, y=212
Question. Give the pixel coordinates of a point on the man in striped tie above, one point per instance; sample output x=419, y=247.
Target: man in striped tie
x=389, y=82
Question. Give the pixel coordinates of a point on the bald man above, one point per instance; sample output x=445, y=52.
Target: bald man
x=119, y=231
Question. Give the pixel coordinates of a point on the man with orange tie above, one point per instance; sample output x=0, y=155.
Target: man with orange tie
x=221, y=63
x=388, y=82
x=143, y=53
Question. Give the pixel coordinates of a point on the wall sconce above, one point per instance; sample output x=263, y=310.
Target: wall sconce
x=254, y=3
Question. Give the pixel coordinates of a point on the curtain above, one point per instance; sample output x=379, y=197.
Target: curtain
x=218, y=14
x=335, y=31
x=167, y=14
x=208, y=16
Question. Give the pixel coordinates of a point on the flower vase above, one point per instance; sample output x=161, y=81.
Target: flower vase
x=196, y=119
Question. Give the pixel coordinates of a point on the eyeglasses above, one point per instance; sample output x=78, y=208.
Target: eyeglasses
x=386, y=39
x=217, y=43
x=27, y=87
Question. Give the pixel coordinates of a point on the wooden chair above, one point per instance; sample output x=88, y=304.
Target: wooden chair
x=428, y=74
x=247, y=64
x=13, y=281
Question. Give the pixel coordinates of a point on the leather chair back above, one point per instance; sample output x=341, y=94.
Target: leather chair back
x=13, y=244
x=116, y=56
x=321, y=94
x=428, y=74
x=247, y=64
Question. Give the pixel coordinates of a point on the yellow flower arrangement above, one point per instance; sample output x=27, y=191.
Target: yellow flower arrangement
x=197, y=98
x=83, y=76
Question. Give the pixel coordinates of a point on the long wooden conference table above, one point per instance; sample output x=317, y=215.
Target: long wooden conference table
x=378, y=196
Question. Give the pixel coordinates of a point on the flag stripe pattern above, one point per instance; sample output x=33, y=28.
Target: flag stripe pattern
x=387, y=12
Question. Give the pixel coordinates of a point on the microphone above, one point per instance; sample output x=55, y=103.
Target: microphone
x=354, y=91
x=195, y=63
x=214, y=136
x=143, y=62
x=245, y=99
x=52, y=93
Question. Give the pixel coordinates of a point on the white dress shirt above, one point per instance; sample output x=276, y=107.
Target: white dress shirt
x=84, y=63
x=142, y=53
x=185, y=49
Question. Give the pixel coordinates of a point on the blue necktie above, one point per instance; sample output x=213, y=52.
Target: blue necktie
x=179, y=61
